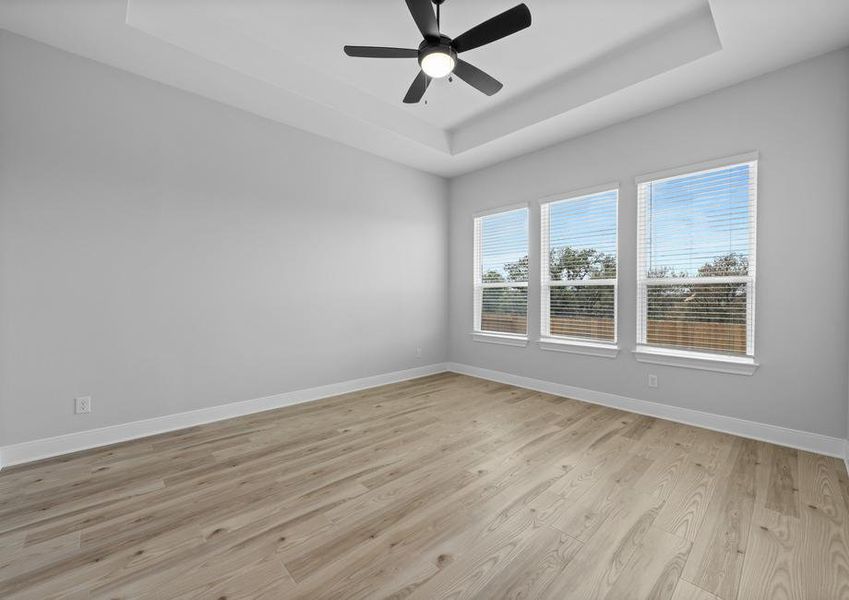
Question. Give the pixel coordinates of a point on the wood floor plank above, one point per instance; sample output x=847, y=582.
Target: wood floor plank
x=689, y=499
x=771, y=569
x=819, y=486
x=687, y=591
x=783, y=492
x=594, y=570
x=665, y=470
x=582, y=518
x=716, y=560
x=441, y=487
x=534, y=569
x=487, y=557
x=795, y=558
x=654, y=570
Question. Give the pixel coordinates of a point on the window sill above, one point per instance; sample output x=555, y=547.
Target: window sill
x=704, y=361
x=579, y=347
x=505, y=339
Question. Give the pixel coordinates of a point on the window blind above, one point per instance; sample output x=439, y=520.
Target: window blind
x=696, y=260
x=579, y=271
x=501, y=272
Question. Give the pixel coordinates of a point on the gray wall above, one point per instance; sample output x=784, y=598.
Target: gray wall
x=797, y=118
x=163, y=253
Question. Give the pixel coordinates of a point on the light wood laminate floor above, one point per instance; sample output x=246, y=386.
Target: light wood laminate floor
x=441, y=487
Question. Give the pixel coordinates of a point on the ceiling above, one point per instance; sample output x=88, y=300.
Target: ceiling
x=582, y=65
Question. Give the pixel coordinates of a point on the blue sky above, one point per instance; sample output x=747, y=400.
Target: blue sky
x=504, y=238
x=586, y=222
x=693, y=220
x=696, y=219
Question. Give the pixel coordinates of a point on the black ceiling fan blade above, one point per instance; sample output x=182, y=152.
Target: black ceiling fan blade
x=417, y=88
x=380, y=52
x=477, y=78
x=499, y=26
x=423, y=15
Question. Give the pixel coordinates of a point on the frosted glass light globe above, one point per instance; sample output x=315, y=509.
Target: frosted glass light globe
x=437, y=64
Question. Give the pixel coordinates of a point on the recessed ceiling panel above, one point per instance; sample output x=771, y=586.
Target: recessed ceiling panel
x=582, y=64
x=307, y=37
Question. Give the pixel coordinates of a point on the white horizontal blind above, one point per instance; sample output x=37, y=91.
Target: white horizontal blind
x=501, y=272
x=579, y=271
x=696, y=260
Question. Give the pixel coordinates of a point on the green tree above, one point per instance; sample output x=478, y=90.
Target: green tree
x=506, y=300
x=702, y=302
x=518, y=270
x=493, y=276
x=586, y=263
x=728, y=265
x=705, y=302
x=580, y=264
x=720, y=302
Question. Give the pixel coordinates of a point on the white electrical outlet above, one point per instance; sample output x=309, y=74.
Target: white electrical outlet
x=419, y=352
x=652, y=380
x=82, y=405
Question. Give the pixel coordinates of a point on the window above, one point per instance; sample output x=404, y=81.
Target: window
x=696, y=260
x=501, y=273
x=578, y=257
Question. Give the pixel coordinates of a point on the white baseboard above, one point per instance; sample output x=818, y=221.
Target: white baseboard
x=794, y=438
x=846, y=455
x=72, y=442
x=84, y=440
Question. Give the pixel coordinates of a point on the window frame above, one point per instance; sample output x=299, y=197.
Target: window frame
x=697, y=358
x=479, y=335
x=574, y=344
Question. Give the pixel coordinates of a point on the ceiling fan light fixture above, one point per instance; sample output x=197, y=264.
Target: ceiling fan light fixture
x=438, y=64
x=437, y=54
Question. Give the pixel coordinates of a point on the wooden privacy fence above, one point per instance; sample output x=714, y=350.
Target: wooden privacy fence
x=722, y=337
x=504, y=322
x=600, y=329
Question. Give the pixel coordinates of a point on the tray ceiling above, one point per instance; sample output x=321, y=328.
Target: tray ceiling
x=583, y=64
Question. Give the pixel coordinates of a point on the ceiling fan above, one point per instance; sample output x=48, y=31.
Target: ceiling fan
x=437, y=54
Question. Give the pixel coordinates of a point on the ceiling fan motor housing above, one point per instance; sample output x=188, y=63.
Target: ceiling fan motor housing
x=434, y=46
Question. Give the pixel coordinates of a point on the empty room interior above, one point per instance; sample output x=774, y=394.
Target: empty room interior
x=426, y=299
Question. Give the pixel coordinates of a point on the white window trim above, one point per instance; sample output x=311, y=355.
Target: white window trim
x=571, y=345
x=575, y=345
x=704, y=361
x=505, y=339
x=695, y=359
x=696, y=168
x=494, y=337
x=485, y=212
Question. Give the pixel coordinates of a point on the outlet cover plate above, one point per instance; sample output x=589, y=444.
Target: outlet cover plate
x=82, y=405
